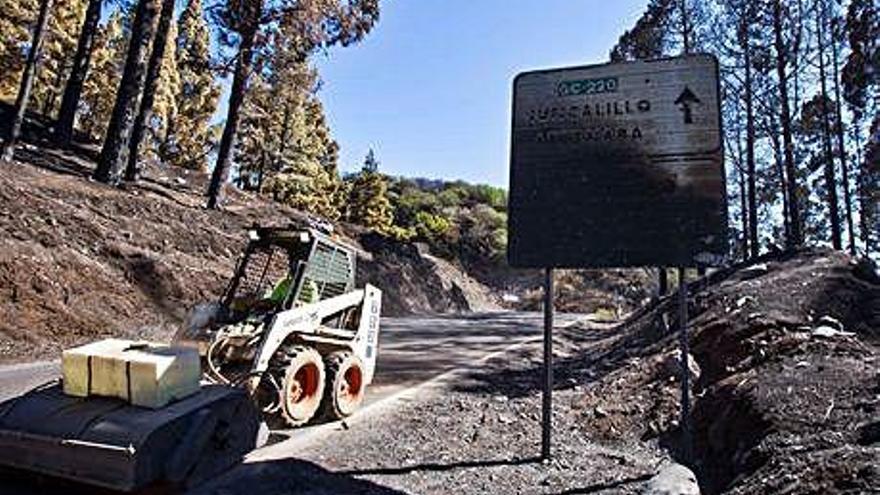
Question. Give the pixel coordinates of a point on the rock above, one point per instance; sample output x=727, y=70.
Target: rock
x=671, y=366
x=673, y=479
x=831, y=321
x=753, y=271
x=826, y=332
x=599, y=412
x=745, y=299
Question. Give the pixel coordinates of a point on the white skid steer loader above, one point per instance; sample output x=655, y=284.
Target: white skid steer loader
x=291, y=337
x=291, y=327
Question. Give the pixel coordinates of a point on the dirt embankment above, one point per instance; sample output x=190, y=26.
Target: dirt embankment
x=787, y=394
x=415, y=281
x=80, y=260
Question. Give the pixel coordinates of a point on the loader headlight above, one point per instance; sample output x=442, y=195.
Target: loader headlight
x=253, y=235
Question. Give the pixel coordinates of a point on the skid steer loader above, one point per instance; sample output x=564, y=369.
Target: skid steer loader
x=291, y=327
x=290, y=340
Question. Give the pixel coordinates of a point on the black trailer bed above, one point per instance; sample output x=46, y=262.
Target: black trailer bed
x=109, y=443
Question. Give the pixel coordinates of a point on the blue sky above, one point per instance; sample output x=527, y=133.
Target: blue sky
x=430, y=88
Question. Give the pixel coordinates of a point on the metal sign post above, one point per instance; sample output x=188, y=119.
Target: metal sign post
x=547, y=398
x=617, y=165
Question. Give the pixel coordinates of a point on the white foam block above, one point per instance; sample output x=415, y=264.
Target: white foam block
x=144, y=374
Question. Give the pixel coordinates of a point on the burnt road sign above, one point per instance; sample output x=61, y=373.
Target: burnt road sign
x=618, y=165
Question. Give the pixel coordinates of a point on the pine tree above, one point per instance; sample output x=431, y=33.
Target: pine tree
x=16, y=19
x=825, y=108
x=783, y=56
x=368, y=201
x=61, y=42
x=107, y=60
x=79, y=69
x=152, y=80
x=650, y=35
x=311, y=24
x=284, y=140
x=861, y=86
x=27, y=80
x=307, y=178
x=114, y=152
x=165, y=104
x=190, y=135
x=371, y=164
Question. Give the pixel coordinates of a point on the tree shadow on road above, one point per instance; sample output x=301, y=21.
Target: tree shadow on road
x=276, y=477
x=289, y=476
x=440, y=467
x=600, y=487
x=588, y=356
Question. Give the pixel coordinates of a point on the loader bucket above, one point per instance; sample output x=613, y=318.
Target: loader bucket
x=109, y=443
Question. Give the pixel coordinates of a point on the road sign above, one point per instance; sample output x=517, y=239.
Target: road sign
x=618, y=165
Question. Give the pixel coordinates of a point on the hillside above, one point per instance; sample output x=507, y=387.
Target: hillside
x=80, y=260
x=786, y=377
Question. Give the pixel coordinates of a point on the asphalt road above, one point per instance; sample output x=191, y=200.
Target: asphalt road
x=412, y=350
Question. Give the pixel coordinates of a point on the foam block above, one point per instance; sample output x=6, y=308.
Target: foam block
x=142, y=373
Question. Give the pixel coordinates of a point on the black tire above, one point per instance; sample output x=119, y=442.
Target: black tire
x=345, y=387
x=302, y=386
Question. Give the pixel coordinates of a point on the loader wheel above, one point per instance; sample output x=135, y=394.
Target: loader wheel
x=302, y=386
x=345, y=387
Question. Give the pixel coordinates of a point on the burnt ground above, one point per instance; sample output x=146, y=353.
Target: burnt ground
x=779, y=407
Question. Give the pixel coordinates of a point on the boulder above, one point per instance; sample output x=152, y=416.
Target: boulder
x=673, y=479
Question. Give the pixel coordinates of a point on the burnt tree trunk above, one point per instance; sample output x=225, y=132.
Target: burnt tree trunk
x=236, y=99
x=795, y=237
x=75, y=82
x=844, y=167
x=685, y=27
x=754, y=247
x=145, y=113
x=780, y=172
x=114, y=153
x=743, y=199
x=830, y=174
x=27, y=82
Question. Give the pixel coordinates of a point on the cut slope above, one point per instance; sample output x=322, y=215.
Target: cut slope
x=784, y=402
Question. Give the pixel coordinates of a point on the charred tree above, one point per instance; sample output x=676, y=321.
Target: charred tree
x=80, y=68
x=115, y=150
x=27, y=81
x=236, y=99
x=841, y=146
x=795, y=237
x=830, y=175
x=748, y=97
x=160, y=41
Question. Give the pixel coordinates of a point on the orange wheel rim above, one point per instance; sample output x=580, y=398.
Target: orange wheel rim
x=304, y=385
x=352, y=383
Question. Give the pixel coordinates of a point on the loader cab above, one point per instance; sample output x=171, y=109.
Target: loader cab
x=282, y=268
